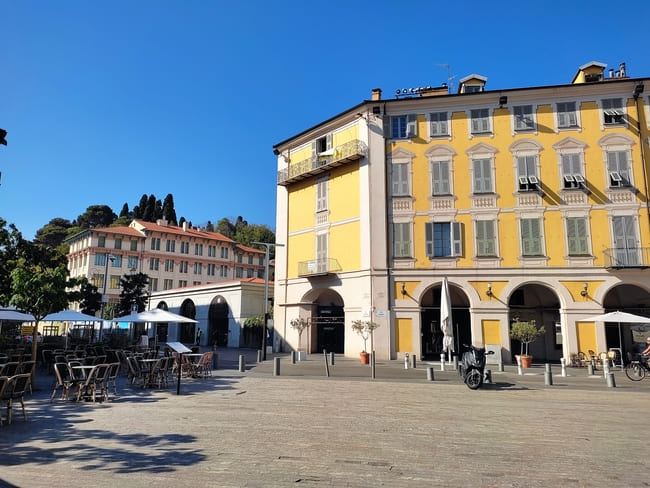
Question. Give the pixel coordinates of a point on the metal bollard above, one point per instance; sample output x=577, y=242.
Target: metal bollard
x=548, y=375
x=605, y=367
x=520, y=371
x=501, y=370
x=590, y=369
x=242, y=363
x=487, y=378
x=332, y=358
x=563, y=365
x=413, y=361
x=455, y=363
x=442, y=362
x=215, y=361
x=327, y=366
x=611, y=381
x=276, y=366
x=430, y=373
x=372, y=365
x=293, y=357
x=406, y=360
x=259, y=355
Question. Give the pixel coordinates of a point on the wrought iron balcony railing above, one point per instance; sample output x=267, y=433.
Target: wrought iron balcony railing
x=345, y=153
x=317, y=267
x=630, y=257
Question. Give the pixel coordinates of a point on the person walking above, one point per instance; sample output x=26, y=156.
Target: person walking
x=199, y=334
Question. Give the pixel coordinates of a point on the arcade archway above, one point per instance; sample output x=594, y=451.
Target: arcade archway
x=327, y=331
x=631, y=299
x=218, y=322
x=188, y=309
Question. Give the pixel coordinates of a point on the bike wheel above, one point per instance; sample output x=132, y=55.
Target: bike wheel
x=474, y=379
x=635, y=371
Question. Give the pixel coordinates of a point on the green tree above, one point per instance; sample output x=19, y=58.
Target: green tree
x=209, y=227
x=53, y=233
x=134, y=291
x=227, y=228
x=96, y=216
x=39, y=290
x=158, y=212
x=138, y=210
x=149, y=213
x=90, y=300
x=255, y=233
x=11, y=240
x=169, y=213
x=125, y=211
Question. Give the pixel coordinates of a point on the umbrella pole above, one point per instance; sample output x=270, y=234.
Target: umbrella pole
x=620, y=341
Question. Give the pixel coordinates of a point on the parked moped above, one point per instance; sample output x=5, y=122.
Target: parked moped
x=472, y=366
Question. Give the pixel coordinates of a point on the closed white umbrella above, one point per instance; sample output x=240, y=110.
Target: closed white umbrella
x=445, y=319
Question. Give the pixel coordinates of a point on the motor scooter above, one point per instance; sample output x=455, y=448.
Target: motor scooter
x=472, y=366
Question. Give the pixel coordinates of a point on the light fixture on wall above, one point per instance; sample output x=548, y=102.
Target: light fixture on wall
x=488, y=292
x=584, y=293
x=502, y=101
x=403, y=289
x=638, y=90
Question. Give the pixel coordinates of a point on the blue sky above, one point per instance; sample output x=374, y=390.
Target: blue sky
x=106, y=101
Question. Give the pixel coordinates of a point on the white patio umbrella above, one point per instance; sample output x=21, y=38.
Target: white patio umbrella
x=619, y=317
x=155, y=315
x=445, y=318
x=13, y=314
x=70, y=316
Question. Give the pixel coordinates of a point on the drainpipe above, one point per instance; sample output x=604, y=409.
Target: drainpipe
x=643, y=161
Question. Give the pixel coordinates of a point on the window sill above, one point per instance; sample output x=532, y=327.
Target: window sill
x=530, y=261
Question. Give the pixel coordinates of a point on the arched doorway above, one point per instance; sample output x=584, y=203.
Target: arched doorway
x=629, y=337
x=430, y=321
x=541, y=304
x=161, y=329
x=188, y=309
x=218, y=322
x=327, y=331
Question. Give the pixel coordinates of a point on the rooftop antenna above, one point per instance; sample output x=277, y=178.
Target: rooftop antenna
x=450, y=78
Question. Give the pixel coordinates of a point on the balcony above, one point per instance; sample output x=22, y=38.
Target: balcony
x=343, y=154
x=631, y=257
x=318, y=267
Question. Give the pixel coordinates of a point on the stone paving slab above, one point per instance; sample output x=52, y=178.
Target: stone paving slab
x=254, y=429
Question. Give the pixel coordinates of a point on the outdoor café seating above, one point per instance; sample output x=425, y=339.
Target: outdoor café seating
x=64, y=380
x=14, y=389
x=95, y=382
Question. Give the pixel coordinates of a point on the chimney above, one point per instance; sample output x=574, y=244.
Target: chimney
x=376, y=94
x=161, y=222
x=185, y=226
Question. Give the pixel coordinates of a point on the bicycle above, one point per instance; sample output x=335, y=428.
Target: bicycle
x=637, y=370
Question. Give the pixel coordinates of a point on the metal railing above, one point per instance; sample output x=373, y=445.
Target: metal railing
x=630, y=257
x=318, y=267
x=350, y=151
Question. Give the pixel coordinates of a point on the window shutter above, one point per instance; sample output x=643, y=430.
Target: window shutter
x=314, y=154
x=328, y=141
x=396, y=179
x=412, y=126
x=428, y=231
x=457, y=238
x=581, y=236
x=480, y=237
x=572, y=114
x=433, y=125
x=386, y=127
x=444, y=177
x=435, y=178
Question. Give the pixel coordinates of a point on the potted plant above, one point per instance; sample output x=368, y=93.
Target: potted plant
x=300, y=324
x=365, y=329
x=525, y=332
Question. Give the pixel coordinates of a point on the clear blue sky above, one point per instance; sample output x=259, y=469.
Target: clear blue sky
x=105, y=101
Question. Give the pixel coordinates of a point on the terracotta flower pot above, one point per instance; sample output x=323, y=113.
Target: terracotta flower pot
x=365, y=358
x=526, y=361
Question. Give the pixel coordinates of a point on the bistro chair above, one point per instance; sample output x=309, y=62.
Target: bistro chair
x=95, y=381
x=63, y=379
x=10, y=369
x=134, y=369
x=15, y=390
x=27, y=367
x=111, y=378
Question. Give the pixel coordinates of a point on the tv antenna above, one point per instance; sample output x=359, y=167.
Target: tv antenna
x=450, y=78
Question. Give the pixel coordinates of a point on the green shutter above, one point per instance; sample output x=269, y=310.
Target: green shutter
x=428, y=231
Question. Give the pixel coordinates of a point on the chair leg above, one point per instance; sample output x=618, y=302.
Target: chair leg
x=22, y=404
x=9, y=412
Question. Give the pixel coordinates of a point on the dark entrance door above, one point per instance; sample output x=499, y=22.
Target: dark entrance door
x=218, y=320
x=330, y=332
x=432, y=334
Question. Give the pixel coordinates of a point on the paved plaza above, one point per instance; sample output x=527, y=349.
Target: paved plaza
x=301, y=428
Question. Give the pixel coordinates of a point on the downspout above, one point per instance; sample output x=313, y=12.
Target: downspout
x=643, y=160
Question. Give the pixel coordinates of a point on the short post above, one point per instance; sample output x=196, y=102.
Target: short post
x=276, y=366
x=548, y=375
x=242, y=363
x=430, y=373
x=563, y=365
x=442, y=361
x=611, y=381
x=327, y=366
x=372, y=365
x=487, y=378
x=215, y=361
x=500, y=362
x=406, y=360
x=520, y=371
x=332, y=358
x=259, y=355
x=590, y=369
x=413, y=365
x=293, y=357
x=455, y=362
x=605, y=367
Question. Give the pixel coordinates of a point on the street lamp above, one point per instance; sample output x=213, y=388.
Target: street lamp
x=267, y=246
x=111, y=258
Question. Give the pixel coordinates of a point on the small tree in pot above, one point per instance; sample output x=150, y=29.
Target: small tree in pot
x=300, y=324
x=365, y=329
x=525, y=332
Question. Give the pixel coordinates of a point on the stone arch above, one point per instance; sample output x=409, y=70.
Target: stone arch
x=327, y=331
x=188, y=309
x=631, y=298
x=218, y=321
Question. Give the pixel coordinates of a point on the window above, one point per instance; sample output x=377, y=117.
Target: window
x=223, y=271
x=224, y=253
x=114, y=282
x=566, y=115
x=482, y=176
x=472, y=88
x=438, y=125
x=485, y=238
x=100, y=259
x=402, y=240
x=98, y=280
x=169, y=265
x=576, y=231
x=480, y=120
x=198, y=249
x=260, y=273
x=198, y=268
x=403, y=126
x=250, y=273
x=618, y=169
x=185, y=247
x=153, y=264
x=440, y=178
x=400, y=178
x=322, y=246
x=212, y=251
x=531, y=238
x=168, y=284
x=250, y=259
x=527, y=173
x=210, y=269
x=153, y=284
x=116, y=262
x=613, y=113
x=171, y=246
x=321, y=194
x=101, y=241
x=134, y=245
x=572, y=171
x=132, y=263
x=626, y=246
x=182, y=283
x=240, y=258
x=261, y=260
x=118, y=243
x=523, y=116
x=239, y=272
x=182, y=267
x=155, y=244
x=443, y=239
x=196, y=283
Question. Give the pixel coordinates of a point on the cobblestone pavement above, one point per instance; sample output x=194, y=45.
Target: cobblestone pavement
x=254, y=429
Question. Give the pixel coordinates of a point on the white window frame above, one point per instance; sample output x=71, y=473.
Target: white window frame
x=322, y=252
x=402, y=240
x=400, y=178
x=622, y=254
x=560, y=123
x=571, y=180
x=482, y=179
x=439, y=124
x=571, y=221
x=481, y=151
x=485, y=121
x=455, y=239
x=486, y=241
x=615, y=109
x=408, y=131
x=518, y=118
x=442, y=184
x=617, y=143
x=540, y=229
x=322, y=194
x=526, y=148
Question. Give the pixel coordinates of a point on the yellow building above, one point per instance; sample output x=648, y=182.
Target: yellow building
x=531, y=201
